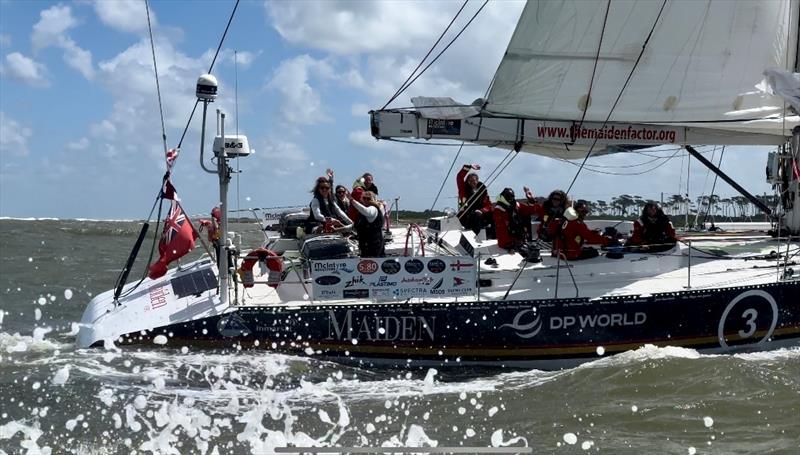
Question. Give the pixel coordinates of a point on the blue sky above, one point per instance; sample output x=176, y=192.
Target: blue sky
x=80, y=134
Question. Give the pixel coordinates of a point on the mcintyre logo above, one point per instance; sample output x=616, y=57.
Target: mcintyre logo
x=526, y=329
x=597, y=320
x=330, y=266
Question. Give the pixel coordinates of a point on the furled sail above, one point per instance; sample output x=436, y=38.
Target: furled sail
x=701, y=79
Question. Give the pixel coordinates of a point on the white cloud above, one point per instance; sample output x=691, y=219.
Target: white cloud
x=363, y=138
x=243, y=58
x=53, y=24
x=51, y=30
x=79, y=59
x=13, y=136
x=124, y=15
x=302, y=104
x=25, y=70
x=103, y=129
x=359, y=109
x=285, y=157
x=81, y=144
x=347, y=27
x=380, y=43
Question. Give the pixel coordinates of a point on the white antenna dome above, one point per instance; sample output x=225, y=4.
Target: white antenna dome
x=206, y=87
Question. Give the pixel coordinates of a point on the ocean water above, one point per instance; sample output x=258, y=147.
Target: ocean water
x=55, y=398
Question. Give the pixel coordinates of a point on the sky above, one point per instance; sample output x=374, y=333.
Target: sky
x=80, y=134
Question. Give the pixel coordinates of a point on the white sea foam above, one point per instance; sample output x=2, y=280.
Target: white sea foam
x=778, y=354
x=20, y=343
x=61, y=376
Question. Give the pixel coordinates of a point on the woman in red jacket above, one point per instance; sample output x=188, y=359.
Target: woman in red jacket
x=507, y=214
x=474, y=205
x=653, y=231
x=576, y=233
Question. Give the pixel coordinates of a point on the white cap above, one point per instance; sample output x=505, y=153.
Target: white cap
x=570, y=214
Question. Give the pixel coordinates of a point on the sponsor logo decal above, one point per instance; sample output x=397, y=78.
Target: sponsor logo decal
x=158, y=297
x=367, y=267
x=391, y=266
x=232, y=326
x=381, y=293
x=355, y=293
x=458, y=265
x=330, y=267
x=414, y=266
x=358, y=279
x=458, y=281
x=328, y=280
x=362, y=326
x=436, y=266
x=526, y=329
x=383, y=281
x=438, y=284
x=590, y=321
x=426, y=280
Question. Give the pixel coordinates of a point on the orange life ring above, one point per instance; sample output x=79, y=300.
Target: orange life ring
x=257, y=255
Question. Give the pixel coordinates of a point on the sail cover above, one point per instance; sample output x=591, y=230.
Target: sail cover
x=702, y=66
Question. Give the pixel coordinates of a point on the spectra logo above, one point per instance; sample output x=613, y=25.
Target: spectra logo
x=526, y=330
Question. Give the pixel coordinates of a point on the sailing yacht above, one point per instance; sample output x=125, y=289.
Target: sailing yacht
x=578, y=79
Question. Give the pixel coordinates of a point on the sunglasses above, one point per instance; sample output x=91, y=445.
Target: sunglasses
x=341, y=192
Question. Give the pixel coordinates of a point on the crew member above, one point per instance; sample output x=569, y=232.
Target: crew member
x=324, y=210
x=474, y=205
x=367, y=182
x=369, y=225
x=653, y=230
x=342, y=198
x=508, y=218
x=212, y=228
x=575, y=234
x=552, y=217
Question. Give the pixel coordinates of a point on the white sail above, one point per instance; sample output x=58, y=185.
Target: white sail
x=713, y=72
x=702, y=67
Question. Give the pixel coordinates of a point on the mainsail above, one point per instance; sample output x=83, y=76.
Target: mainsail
x=573, y=78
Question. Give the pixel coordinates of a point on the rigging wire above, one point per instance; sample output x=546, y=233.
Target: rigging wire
x=667, y=159
x=236, y=103
x=436, y=199
x=158, y=85
x=458, y=35
x=159, y=200
x=703, y=191
x=403, y=85
x=619, y=96
x=594, y=66
x=713, y=187
x=214, y=60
